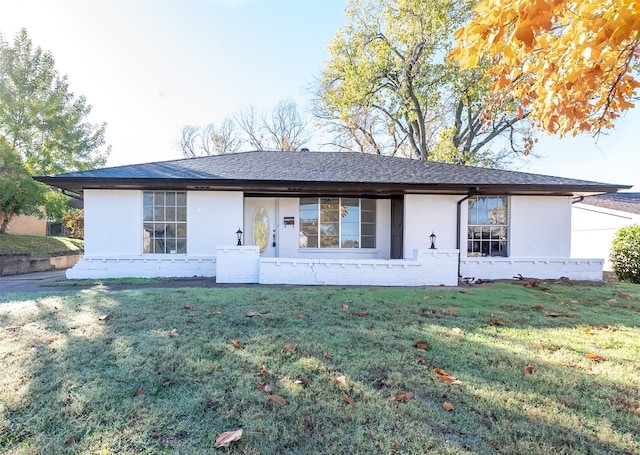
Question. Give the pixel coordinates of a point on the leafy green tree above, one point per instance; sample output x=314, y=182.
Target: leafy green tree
x=40, y=117
x=389, y=88
x=19, y=193
x=625, y=254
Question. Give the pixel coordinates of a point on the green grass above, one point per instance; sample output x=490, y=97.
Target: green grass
x=32, y=244
x=65, y=373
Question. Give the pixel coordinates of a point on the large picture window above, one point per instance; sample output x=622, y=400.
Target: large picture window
x=488, y=226
x=337, y=223
x=165, y=222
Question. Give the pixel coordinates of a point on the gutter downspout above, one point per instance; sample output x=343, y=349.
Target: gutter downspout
x=475, y=191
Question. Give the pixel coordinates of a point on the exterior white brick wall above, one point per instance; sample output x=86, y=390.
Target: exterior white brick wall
x=170, y=265
x=507, y=268
x=429, y=267
x=237, y=264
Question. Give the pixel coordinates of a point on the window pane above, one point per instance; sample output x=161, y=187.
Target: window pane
x=165, y=232
x=368, y=204
x=367, y=241
x=349, y=242
x=487, y=230
x=349, y=230
x=181, y=199
x=158, y=198
x=329, y=242
x=368, y=217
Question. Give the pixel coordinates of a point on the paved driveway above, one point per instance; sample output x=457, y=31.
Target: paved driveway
x=30, y=282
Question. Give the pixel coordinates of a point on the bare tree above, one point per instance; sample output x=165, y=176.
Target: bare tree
x=220, y=140
x=284, y=129
x=188, y=140
x=248, y=122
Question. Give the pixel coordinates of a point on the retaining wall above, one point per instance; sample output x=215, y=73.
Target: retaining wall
x=16, y=264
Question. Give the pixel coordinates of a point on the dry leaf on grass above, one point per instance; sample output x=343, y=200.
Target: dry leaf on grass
x=326, y=355
x=302, y=382
x=345, y=307
x=457, y=331
x=138, y=392
x=360, y=313
x=421, y=360
x=447, y=406
x=251, y=314
x=263, y=369
x=266, y=388
x=299, y=316
x=11, y=328
x=594, y=357
x=188, y=306
x=622, y=295
x=277, y=399
x=173, y=333
x=290, y=347
x=226, y=438
x=404, y=397
x=446, y=377
x=422, y=345
x=496, y=322
x=449, y=310
x=638, y=411
x=554, y=314
x=342, y=380
x=69, y=442
x=236, y=345
x=214, y=313
x=528, y=369
x=104, y=317
x=347, y=398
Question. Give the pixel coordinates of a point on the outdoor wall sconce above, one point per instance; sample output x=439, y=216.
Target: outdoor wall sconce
x=432, y=239
x=239, y=235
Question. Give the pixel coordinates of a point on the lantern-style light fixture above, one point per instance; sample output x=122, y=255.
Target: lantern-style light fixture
x=239, y=236
x=432, y=239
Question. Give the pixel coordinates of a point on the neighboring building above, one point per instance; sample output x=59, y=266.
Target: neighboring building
x=27, y=225
x=326, y=218
x=596, y=219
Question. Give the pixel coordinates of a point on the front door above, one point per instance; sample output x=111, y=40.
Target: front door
x=260, y=224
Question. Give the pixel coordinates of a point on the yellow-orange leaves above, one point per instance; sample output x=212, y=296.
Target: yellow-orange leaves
x=570, y=62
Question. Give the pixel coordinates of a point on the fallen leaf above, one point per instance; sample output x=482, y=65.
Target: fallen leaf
x=426, y=297
x=226, y=438
x=622, y=295
x=38, y=345
x=69, y=442
x=612, y=301
x=266, y=388
x=214, y=313
x=528, y=369
x=449, y=310
x=138, y=392
x=11, y=328
x=446, y=377
x=554, y=314
x=347, y=398
x=188, y=306
x=594, y=357
x=360, y=313
x=290, y=346
x=457, y=331
x=104, y=317
x=638, y=411
x=277, y=399
x=173, y=333
x=299, y=316
x=421, y=360
x=404, y=397
x=422, y=345
x=52, y=340
x=441, y=296
x=251, y=314
x=302, y=382
x=326, y=355
x=263, y=369
x=342, y=380
x=447, y=406
x=345, y=307
x=318, y=289
x=236, y=345
x=496, y=322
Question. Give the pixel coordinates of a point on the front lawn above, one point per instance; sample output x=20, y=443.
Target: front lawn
x=34, y=244
x=546, y=369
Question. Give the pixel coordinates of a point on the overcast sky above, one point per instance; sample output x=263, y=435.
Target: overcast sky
x=150, y=67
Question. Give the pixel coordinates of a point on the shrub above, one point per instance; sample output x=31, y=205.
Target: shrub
x=625, y=254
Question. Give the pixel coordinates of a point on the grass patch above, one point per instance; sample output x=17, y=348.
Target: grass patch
x=124, y=385
x=32, y=244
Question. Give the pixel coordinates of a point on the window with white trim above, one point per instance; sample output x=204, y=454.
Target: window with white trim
x=164, y=222
x=337, y=223
x=488, y=226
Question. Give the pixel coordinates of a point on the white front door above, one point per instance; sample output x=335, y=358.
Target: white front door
x=260, y=224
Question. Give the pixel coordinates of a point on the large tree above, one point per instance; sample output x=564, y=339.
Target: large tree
x=574, y=64
x=40, y=117
x=389, y=88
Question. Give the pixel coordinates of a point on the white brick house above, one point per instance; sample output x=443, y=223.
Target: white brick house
x=326, y=218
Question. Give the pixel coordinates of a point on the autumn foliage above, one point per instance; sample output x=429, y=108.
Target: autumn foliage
x=572, y=64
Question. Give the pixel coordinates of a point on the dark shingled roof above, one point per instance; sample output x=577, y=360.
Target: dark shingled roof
x=307, y=172
x=624, y=202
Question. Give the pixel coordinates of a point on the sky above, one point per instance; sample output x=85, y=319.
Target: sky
x=150, y=67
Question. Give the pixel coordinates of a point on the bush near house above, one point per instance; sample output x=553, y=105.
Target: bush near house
x=625, y=254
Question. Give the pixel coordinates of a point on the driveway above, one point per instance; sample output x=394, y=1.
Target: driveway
x=43, y=282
